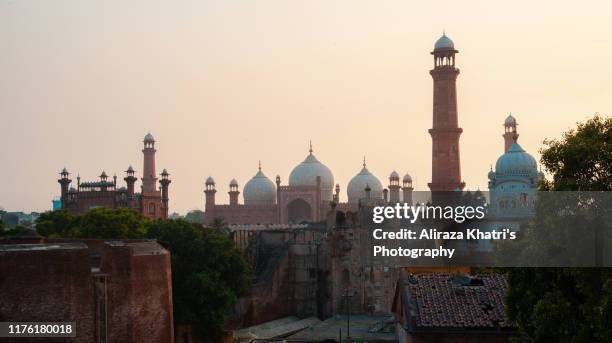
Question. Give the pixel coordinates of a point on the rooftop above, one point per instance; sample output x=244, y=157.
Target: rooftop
x=446, y=301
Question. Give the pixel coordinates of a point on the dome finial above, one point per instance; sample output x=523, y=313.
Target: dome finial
x=310, y=149
x=364, y=162
x=259, y=165
x=443, y=32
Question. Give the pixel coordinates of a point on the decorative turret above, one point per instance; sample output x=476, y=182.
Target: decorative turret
x=407, y=189
x=64, y=182
x=394, y=187
x=337, y=194
x=510, y=133
x=130, y=180
x=233, y=192
x=165, y=182
x=209, y=190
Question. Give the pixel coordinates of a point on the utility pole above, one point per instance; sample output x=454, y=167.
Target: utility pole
x=348, y=314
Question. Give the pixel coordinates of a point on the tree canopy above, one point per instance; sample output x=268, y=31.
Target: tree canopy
x=568, y=304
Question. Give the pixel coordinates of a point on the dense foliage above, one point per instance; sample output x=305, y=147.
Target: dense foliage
x=208, y=272
x=568, y=304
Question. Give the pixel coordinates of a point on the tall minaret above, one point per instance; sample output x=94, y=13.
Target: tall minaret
x=149, y=177
x=510, y=134
x=64, y=182
x=445, y=168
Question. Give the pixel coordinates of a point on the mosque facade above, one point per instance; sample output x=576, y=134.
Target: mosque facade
x=311, y=190
x=308, y=196
x=513, y=183
x=151, y=202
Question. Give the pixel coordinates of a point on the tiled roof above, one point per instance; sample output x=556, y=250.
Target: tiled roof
x=446, y=301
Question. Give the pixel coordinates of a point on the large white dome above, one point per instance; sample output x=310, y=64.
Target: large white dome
x=305, y=174
x=356, y=187
x=259, y=190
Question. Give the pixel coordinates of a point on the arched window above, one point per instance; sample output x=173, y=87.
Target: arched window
x=151, y=208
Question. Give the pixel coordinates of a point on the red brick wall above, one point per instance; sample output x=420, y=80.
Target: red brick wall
x=53, y=285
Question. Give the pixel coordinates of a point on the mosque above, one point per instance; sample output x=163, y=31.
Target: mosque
x=311, y=191
x=513, y=183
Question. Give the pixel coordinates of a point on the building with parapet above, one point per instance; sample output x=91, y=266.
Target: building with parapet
x=151, y=202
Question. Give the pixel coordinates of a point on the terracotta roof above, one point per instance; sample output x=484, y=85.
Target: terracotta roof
x=446, y=301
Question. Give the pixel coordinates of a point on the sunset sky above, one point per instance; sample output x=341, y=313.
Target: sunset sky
x=223, y=84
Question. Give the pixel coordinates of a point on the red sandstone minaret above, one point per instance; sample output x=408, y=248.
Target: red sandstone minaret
x=164, y=182
x=446, y=167
x=64, y=181
x=149, y=177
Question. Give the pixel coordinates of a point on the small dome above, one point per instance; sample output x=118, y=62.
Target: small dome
x=516, y=162
x=149, y=138
x=356, y=188
x=210, y=181
x=233, y=182
x=165, y=172
x=394, y=175
x=259, y=190
x=305, y=174
x=444, y=43
x=510, y=121
x=130, y=169
x=64, y=171
x=407, y=178
x=491, y=174
x=103, y=175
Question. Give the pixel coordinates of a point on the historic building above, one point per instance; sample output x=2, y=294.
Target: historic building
x=513, y=183
x=445, y=161
x=151, y=202
x=308, y=197
x=310, y=192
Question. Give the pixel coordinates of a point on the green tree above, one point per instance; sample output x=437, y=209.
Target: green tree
x=195, y=216
x=568, y=304
x=209, y=272
x=58, y=223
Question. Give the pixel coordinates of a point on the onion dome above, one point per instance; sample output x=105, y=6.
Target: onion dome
x=149, y=138
x=233, y=182
x=356, y=188
x=510, y=121
x=305, y=174
x=210, y=181
x=394, y=175
x=407, y=178
x=516, y=162
x=444, y=43
x=259, y=190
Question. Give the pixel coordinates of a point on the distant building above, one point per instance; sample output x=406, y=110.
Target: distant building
x=57, y=203
x=434, y=307
x=150, y=202
x=513, y=183
x=114, y=291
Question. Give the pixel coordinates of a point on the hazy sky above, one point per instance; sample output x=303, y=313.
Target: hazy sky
x=223, y=84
